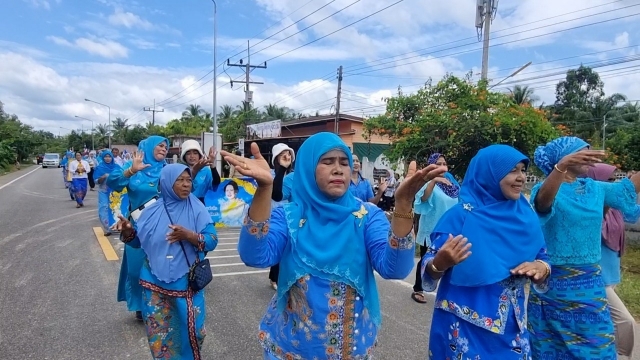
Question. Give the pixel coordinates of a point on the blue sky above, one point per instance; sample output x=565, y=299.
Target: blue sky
x=55, y=53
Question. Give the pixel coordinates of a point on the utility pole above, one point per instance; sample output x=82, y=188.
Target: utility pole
x=337, y=121
x=604, y=131
x=248, y=94
x=485, y=13
x=154, y=111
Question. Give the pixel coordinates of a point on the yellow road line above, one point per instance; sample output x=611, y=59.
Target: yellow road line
x=107, y=249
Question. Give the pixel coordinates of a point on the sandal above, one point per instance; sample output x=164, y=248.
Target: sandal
x=274, y=285
x=418, y=296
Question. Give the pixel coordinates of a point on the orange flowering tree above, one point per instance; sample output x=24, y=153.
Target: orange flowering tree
x=457, y=117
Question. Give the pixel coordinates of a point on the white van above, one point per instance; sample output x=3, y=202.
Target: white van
x=51, y=159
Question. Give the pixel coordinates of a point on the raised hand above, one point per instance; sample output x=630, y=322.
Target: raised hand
x=454, y=251
x=257, y=168
x=212, y=156
x=584, y=157
x=285, y=160
x=138, y=162
x=414, y=180
x=123, y=226
x=442, y=180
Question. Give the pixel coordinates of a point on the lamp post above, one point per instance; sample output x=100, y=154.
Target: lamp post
x=215, y=87
x=510, y=76
x=92, y=131
x=108, y=107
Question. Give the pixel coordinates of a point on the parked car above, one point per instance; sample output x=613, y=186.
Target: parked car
x=51, y=160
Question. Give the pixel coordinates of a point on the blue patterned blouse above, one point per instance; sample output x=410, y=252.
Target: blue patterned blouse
x=489, y=307
x=572, y=230
x=325, y=319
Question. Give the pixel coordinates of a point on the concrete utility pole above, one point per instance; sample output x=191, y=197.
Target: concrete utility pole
x=154, y=111
x=248, y=94
x=337, y=121
x=485, y=13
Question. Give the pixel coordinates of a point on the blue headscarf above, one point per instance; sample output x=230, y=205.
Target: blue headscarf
x=147, y=146
x=166, y=260
x=547, y=156
x=326, y=238
x=452, y=190
x=504, y=233
x=68, y=155
x=104, y=167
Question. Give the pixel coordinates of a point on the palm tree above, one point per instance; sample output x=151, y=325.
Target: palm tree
x=275, y=112
x=192, y=110
x=120, y=128
x=523, y=95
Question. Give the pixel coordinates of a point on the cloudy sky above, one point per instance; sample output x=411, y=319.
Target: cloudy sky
x=126, y=54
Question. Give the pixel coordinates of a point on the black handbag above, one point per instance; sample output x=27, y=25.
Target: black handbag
x=200, y=272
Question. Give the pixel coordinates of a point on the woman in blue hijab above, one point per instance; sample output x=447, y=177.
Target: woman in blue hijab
x=140, y=178
x=106, y=165
x=479, y=308
x=328, y=244
x=174, y=232
x=64, y=164
x=570, y=318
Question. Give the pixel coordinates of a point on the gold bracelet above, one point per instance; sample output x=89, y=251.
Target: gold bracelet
x=408, y=215
x=558, y=169
x=434, y=268
x=546, y=266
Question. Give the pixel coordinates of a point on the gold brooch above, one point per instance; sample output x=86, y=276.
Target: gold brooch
x=360, y=213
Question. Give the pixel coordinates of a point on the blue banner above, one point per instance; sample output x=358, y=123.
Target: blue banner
x=111, y=204
x=229, y=203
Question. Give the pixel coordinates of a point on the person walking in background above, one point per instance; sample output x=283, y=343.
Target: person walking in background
x=173, y=233
x=203, y=169
x=105, y=167
x=485, y=249
x=140, y=177
x=361, y=188
x=431, y=202
x=570, y=208
x=116, y=156
x=66, y=175
x=282, y=160
x=232, y=171
x=613, y=245
x=93, y=162
x=78, y=171
x=327, y=303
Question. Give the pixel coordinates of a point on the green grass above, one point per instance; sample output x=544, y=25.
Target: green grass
x=629, y=289
x=12, y=168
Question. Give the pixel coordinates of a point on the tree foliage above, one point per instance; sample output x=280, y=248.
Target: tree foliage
x=457, y=118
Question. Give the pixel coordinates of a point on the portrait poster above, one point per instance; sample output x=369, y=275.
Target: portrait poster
x=229, y=203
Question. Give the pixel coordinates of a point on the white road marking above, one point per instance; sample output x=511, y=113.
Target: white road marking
x=232, y=264
x=241, y=273
x=18, y=178
x=222, y=257
x=219, y=250
x=233, y=243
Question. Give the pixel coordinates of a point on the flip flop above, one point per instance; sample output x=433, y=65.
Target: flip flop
x=418, y=297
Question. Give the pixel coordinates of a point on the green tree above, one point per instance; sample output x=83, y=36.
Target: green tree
x=457, y=118
x=523, y=95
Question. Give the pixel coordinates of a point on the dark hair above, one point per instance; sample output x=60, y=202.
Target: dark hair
x=238, y=153
x=115, y=148
x=233, y=185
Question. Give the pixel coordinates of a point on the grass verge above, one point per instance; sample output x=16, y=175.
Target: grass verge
x=629, y=288
x=13, y=168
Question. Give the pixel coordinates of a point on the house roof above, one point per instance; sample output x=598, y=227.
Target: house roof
x=321, y=118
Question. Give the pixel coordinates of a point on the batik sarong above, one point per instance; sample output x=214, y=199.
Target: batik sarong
x=79, y=188
x=570, y=318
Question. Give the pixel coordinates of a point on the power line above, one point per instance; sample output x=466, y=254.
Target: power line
x=308, y=27
x=492, y=45
x=474, y=38
x=333, y=32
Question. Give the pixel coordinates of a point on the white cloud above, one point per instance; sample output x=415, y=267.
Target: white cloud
x=101, y=47
x=128, y=20
x=143, y=44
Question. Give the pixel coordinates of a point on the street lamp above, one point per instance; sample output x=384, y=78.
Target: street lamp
x=109, y=117
x=92, y=131
x=512, y=75
x=215, y=87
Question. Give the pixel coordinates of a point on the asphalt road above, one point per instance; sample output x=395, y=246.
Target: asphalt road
x=57, y=288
